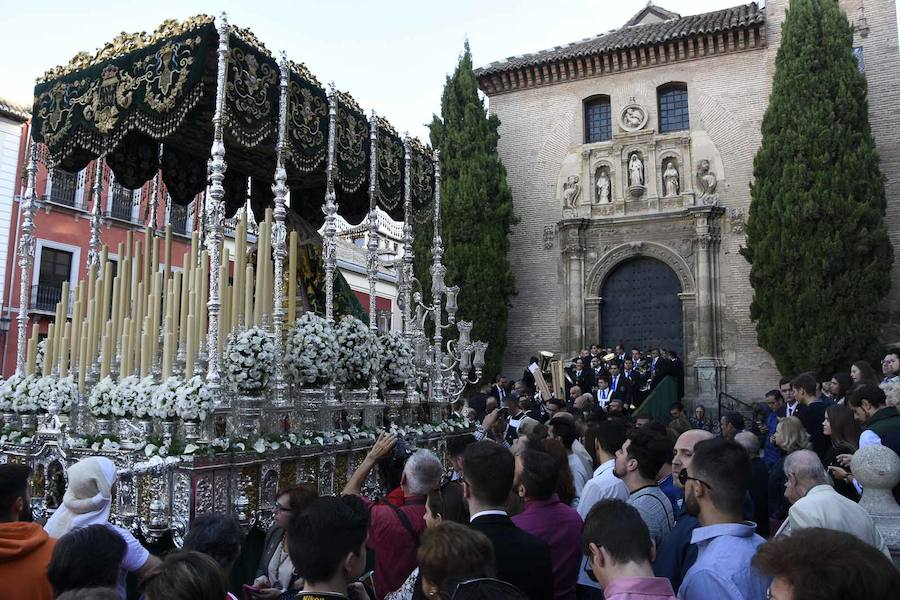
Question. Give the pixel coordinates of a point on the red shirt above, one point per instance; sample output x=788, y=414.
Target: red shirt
x=393, y=544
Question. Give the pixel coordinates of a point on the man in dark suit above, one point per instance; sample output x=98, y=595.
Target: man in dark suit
x=521, y=558
x=632, y=374
x=500, y=389
x=619, y=385
x=582, y=376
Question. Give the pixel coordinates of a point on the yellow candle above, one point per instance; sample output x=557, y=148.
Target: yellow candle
x=48, y=350
x=168, y=251
x=183, y=298
x=114, y=319
x=125, y=367
x=195, y=247
x=248, y=298
x=63, y=358
x=129, y=243
x=292, y=277
x=259, y=288
x=145, y=350
x=167, y=351
x=148, y=252
x=203, y=299
x=82, y=353
x=191, y=343
x=240, y=252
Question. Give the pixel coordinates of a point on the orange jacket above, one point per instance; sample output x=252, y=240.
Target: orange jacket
x=25, y=551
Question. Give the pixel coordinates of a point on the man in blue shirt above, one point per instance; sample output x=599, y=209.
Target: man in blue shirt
x=714, y=490
x=676, y=554
x=775, y=401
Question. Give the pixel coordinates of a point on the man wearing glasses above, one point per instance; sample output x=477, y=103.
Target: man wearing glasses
x=714, y=489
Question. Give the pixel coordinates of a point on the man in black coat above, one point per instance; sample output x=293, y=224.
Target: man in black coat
x=582, y=376
x=521, y=558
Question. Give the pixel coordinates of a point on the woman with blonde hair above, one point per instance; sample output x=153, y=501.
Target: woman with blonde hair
x=789, y=436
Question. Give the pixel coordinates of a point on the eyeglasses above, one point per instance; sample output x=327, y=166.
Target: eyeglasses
x=683, y=478
x=279, y=508
x=488, y=586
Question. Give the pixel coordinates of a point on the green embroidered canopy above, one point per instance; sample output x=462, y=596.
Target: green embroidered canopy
x=145, y=92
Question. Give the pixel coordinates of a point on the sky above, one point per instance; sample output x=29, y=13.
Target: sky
x=393, y=56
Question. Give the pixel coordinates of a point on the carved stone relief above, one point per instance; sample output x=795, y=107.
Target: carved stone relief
x=549, y=234
x=633, y=117
x=571, y=191
x=736, y=221
x=706, y=183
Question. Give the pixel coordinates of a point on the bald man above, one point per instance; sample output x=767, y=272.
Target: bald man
x=676, y=554
x=759, y=481
x=816, y=504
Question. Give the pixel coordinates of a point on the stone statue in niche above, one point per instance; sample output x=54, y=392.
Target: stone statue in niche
x=670, y=179
x=706, y=183
x=571, y=189
x=604, y=187
x=635, y=170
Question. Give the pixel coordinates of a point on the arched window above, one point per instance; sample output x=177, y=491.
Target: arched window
x=673, y=107
x=597, y=119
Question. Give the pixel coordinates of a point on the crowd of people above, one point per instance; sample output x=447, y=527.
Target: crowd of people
x=563, y=499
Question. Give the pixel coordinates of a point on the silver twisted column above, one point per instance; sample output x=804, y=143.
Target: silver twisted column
x=330, y=209
x=437, y=286
x=372, y=259
x=215, y=215
x=279, y=235
x=96, y=217
x=406, y=272
x=26, y=258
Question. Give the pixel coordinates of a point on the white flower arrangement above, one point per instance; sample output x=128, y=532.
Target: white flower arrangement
x=311, y=351
x=23, y=402
x=398, y=367
x=39, y=356
x=136, y=395
x=165, y=399
x=193, y=400
x=8, y=391
x=358, y=353
x=41, y=393
x=66, y=394
x=104, y=402
x=250, y=360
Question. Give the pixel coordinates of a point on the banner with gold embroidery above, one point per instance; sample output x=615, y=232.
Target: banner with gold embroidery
x=421, y=181
x=251, y=91
x=389, y=153
x=351, y=147
x=138, y=82
x=307, y=121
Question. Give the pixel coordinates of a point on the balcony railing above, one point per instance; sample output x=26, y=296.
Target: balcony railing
x=121, y=204
x=180, y=219
x=45, y=296
x=63, y=191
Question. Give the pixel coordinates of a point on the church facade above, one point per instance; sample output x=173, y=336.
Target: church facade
x=630, y=157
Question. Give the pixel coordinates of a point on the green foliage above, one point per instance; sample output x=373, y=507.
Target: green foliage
x=816, y=239
x=476, y=213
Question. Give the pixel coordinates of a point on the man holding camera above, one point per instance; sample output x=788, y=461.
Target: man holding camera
x=394, y=530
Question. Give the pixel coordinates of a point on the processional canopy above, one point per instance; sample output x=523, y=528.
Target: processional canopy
x=142, y=91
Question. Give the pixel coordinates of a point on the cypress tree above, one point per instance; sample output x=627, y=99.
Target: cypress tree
x=476, y=213
x=816, y=239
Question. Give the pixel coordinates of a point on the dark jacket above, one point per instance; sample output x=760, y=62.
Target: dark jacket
x=812, y=419
x=885, y=420
x=778, y=504
x=759, y=493
x=676, y=554
x=521, y=558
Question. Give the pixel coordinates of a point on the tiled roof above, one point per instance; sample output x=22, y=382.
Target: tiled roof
x=14, y=110
x=636, y=35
